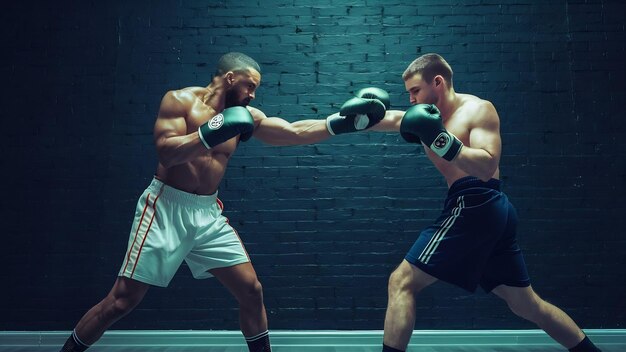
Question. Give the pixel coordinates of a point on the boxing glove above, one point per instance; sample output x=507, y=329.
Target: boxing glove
x=360, y=112
x=423, y=123
x=231, y=122
x=374, y=93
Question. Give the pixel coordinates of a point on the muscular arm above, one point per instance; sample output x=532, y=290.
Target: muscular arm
x=482, y=156
x=174, y=146
x=276, y=131
x=390, y=123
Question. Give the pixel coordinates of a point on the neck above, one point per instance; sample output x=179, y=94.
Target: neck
x=447, y=104
x=216, y=95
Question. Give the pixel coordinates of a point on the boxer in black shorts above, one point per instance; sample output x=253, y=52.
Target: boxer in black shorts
x=473, y=241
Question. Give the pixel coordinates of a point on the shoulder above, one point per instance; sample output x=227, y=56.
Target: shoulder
x=480, y=111
x=257, y=115
x=472, y=102
x=177, y=101
x=185, y=95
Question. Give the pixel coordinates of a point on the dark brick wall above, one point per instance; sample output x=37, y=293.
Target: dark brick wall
x=325, y=224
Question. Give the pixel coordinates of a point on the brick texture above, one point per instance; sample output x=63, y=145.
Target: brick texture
x=325, y=224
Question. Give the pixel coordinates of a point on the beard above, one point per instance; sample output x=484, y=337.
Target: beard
x=232, y=99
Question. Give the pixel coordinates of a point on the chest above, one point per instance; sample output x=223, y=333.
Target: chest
x=460, y=126
x=201, y=114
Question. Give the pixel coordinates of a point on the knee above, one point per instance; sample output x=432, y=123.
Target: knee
x=252, y=294
x=256, y=290
x=120, y=306
x=529, y=309
x=401, y=283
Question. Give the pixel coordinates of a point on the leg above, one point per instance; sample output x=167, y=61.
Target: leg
x=525, y=303
x=123, y=298
x=242, y=282
x=404, y=283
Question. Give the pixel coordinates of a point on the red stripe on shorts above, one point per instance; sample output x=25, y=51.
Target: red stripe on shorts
x=221, y=205
x=147, y=231
x=130, y=249
x=240, y=241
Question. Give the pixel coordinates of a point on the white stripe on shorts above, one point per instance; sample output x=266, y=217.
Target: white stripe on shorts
x=434, y=242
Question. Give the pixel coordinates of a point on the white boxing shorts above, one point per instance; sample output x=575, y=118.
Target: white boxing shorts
x=171, y=226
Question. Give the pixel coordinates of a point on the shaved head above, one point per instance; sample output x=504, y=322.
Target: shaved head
x=235, y=62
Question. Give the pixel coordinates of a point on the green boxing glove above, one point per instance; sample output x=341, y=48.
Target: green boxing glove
x=226, y=125
x=359, y=113
x=423, y=122
x=374, y=93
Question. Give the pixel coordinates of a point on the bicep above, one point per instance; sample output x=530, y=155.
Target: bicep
x=486, y=133
x=266, y=128
x=171, y=120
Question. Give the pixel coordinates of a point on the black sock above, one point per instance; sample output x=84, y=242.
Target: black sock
x=390, y=349
x=259, y=343
x=74, y=344
x=585, y=346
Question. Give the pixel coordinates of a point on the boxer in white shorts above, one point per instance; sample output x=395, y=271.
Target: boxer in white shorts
x=179, y=216
x=171, y=226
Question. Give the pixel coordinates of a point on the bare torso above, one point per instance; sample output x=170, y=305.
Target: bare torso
x=204, y=174
x=458, y=123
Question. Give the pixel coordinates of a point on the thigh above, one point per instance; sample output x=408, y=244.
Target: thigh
x=238, y=279
x=217, y=245
x=158, y=241
x=505, y=269
x=452, y=252
x=506, y=265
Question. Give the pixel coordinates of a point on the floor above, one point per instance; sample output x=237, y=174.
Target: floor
x=309, y=341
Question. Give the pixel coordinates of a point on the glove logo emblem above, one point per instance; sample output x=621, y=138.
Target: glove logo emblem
x=361, y=122
x=216, y=122
x=441, y=141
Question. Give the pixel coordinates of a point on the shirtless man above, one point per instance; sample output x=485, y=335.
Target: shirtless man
x=473, y=241
x=179, y=216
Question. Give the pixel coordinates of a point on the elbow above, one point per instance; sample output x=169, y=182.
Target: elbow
x=286, y=137
x=162, y=153
x=292, y=137
x=485, y=178
x=165, y=162
x=165, y=159
x=489, y=172
x=276, y=142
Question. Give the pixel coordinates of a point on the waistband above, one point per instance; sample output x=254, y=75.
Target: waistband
x=473, y=182
x=181, y=197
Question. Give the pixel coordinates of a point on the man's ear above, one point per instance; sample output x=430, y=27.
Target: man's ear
x=230, y=77
x=438, y=80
